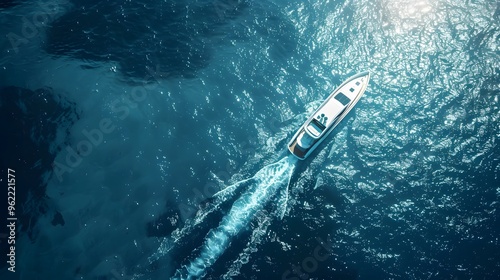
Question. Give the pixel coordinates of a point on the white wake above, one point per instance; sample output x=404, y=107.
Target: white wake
x=269, y=183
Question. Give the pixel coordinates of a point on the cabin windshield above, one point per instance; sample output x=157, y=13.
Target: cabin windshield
x=342, y=98
x=315, y=128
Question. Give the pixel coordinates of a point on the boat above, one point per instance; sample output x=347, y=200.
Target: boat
x=322, y=122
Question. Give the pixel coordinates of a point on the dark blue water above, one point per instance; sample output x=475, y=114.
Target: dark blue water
x=123, y=119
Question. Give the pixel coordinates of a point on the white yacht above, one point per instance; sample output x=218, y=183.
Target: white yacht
x=328, y=115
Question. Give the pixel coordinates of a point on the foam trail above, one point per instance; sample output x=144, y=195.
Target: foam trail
x=168, y=243
x=267, y=182
x=282, y=202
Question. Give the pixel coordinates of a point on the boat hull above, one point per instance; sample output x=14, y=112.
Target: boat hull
x=331, y=112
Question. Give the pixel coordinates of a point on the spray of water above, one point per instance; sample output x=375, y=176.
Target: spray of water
x=271, y=182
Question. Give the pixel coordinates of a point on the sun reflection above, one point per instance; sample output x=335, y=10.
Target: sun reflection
x=407, y=9
x=406, y=15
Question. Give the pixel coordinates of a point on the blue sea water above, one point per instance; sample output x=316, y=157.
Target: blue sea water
x=123, y=119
